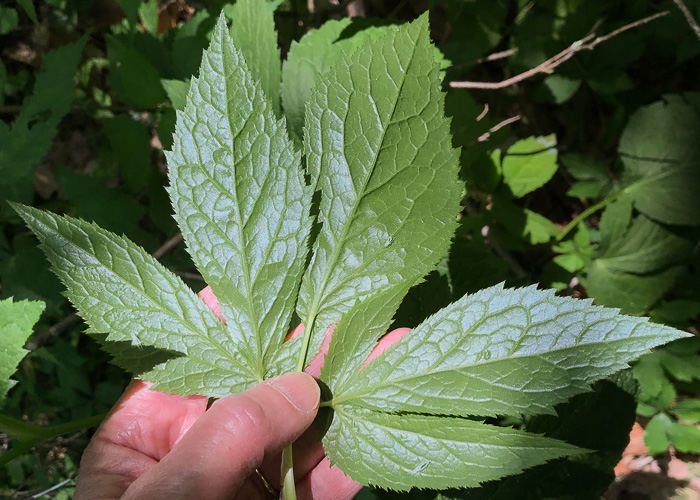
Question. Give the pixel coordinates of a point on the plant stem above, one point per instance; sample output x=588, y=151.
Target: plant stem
x=590, y=210
x=288, y=486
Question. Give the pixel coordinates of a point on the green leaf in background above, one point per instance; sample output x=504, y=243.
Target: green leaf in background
x=16, y=322
x=688, y=409
x=8, y=20
x=636, y=262
x=134, y=79
x=501, y=352
x=121, y=290
x=28, y=6
x=411, y=450
x=579, y=422
x=685, y=437
x=310, y=59
x=241, y=201
x=253, y=33
x=656, y=433
x=130, y=143
x=529, y=164
x=148, y=12
x=177, y=92
x=131, y=10
x=592, y=179
x=25, y=143
x=661, y=157
x=380, y=152
x=96, y=202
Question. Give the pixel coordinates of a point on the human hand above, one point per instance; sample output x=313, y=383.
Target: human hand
x=155, y=445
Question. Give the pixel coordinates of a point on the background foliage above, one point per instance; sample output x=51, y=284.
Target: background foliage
x=586, y=179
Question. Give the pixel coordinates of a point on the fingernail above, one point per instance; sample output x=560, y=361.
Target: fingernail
x=300, y=389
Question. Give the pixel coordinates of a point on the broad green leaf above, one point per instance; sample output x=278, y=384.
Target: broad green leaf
x=688, y=410
x=253, y=33
x=379, y=149
x=95, y=202
x=685, y=437
x=661, y=157
x=240, y=199
x=133, y=78
x=177, y=92
x=28, y=6
x=591, y=176
x=121, y=290
x=8, y=20
x=130, y=143
x=656, y=433
x=316, y=53
x=503, y=352
x=16, y=322
x=357, y=333
x=310, y=59
x=636, y=261
x=529, y=164
x=410, y=450
x=25, y=143
x=599, y=421
x=148, y=12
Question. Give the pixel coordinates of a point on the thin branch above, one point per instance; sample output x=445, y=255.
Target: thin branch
x=483, y=113
x=688, y=17
x=167, y=246
x=589, y=42
x=485, y=137
x=498, y=55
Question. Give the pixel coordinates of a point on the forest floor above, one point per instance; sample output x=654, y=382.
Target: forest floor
x=639, y=476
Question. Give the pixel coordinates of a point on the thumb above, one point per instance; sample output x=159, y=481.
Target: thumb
x=232, y=438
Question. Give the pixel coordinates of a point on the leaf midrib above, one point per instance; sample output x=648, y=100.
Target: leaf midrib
x=390, y=382
x=337, y=250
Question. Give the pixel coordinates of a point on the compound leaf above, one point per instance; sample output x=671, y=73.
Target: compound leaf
x=16, y=322
x=379, y=149
x=240, y=198
x=121, y=290
x=253, y=33
x=409, y=450
x=502, y=352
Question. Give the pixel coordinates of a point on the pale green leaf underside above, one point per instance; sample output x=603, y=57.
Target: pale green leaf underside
x=121, y=290
x=502, y=352
x=409, y=450
x=357, y=333
x=379, y=149
x=16, y=322
x=253, y=33
x=241, y=202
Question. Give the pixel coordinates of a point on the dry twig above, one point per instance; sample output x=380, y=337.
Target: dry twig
x=485, y=137
x=588, y=42
x=688, y=17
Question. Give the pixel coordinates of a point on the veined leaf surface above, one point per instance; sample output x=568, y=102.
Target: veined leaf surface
x=118, y=288
x=379, y=149
x=253, y=33
x=409, y=450
x=241, y=201
x=16, y=322
x=502, y=352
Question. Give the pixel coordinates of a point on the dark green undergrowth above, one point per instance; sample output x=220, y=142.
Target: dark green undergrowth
x=585, y=179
